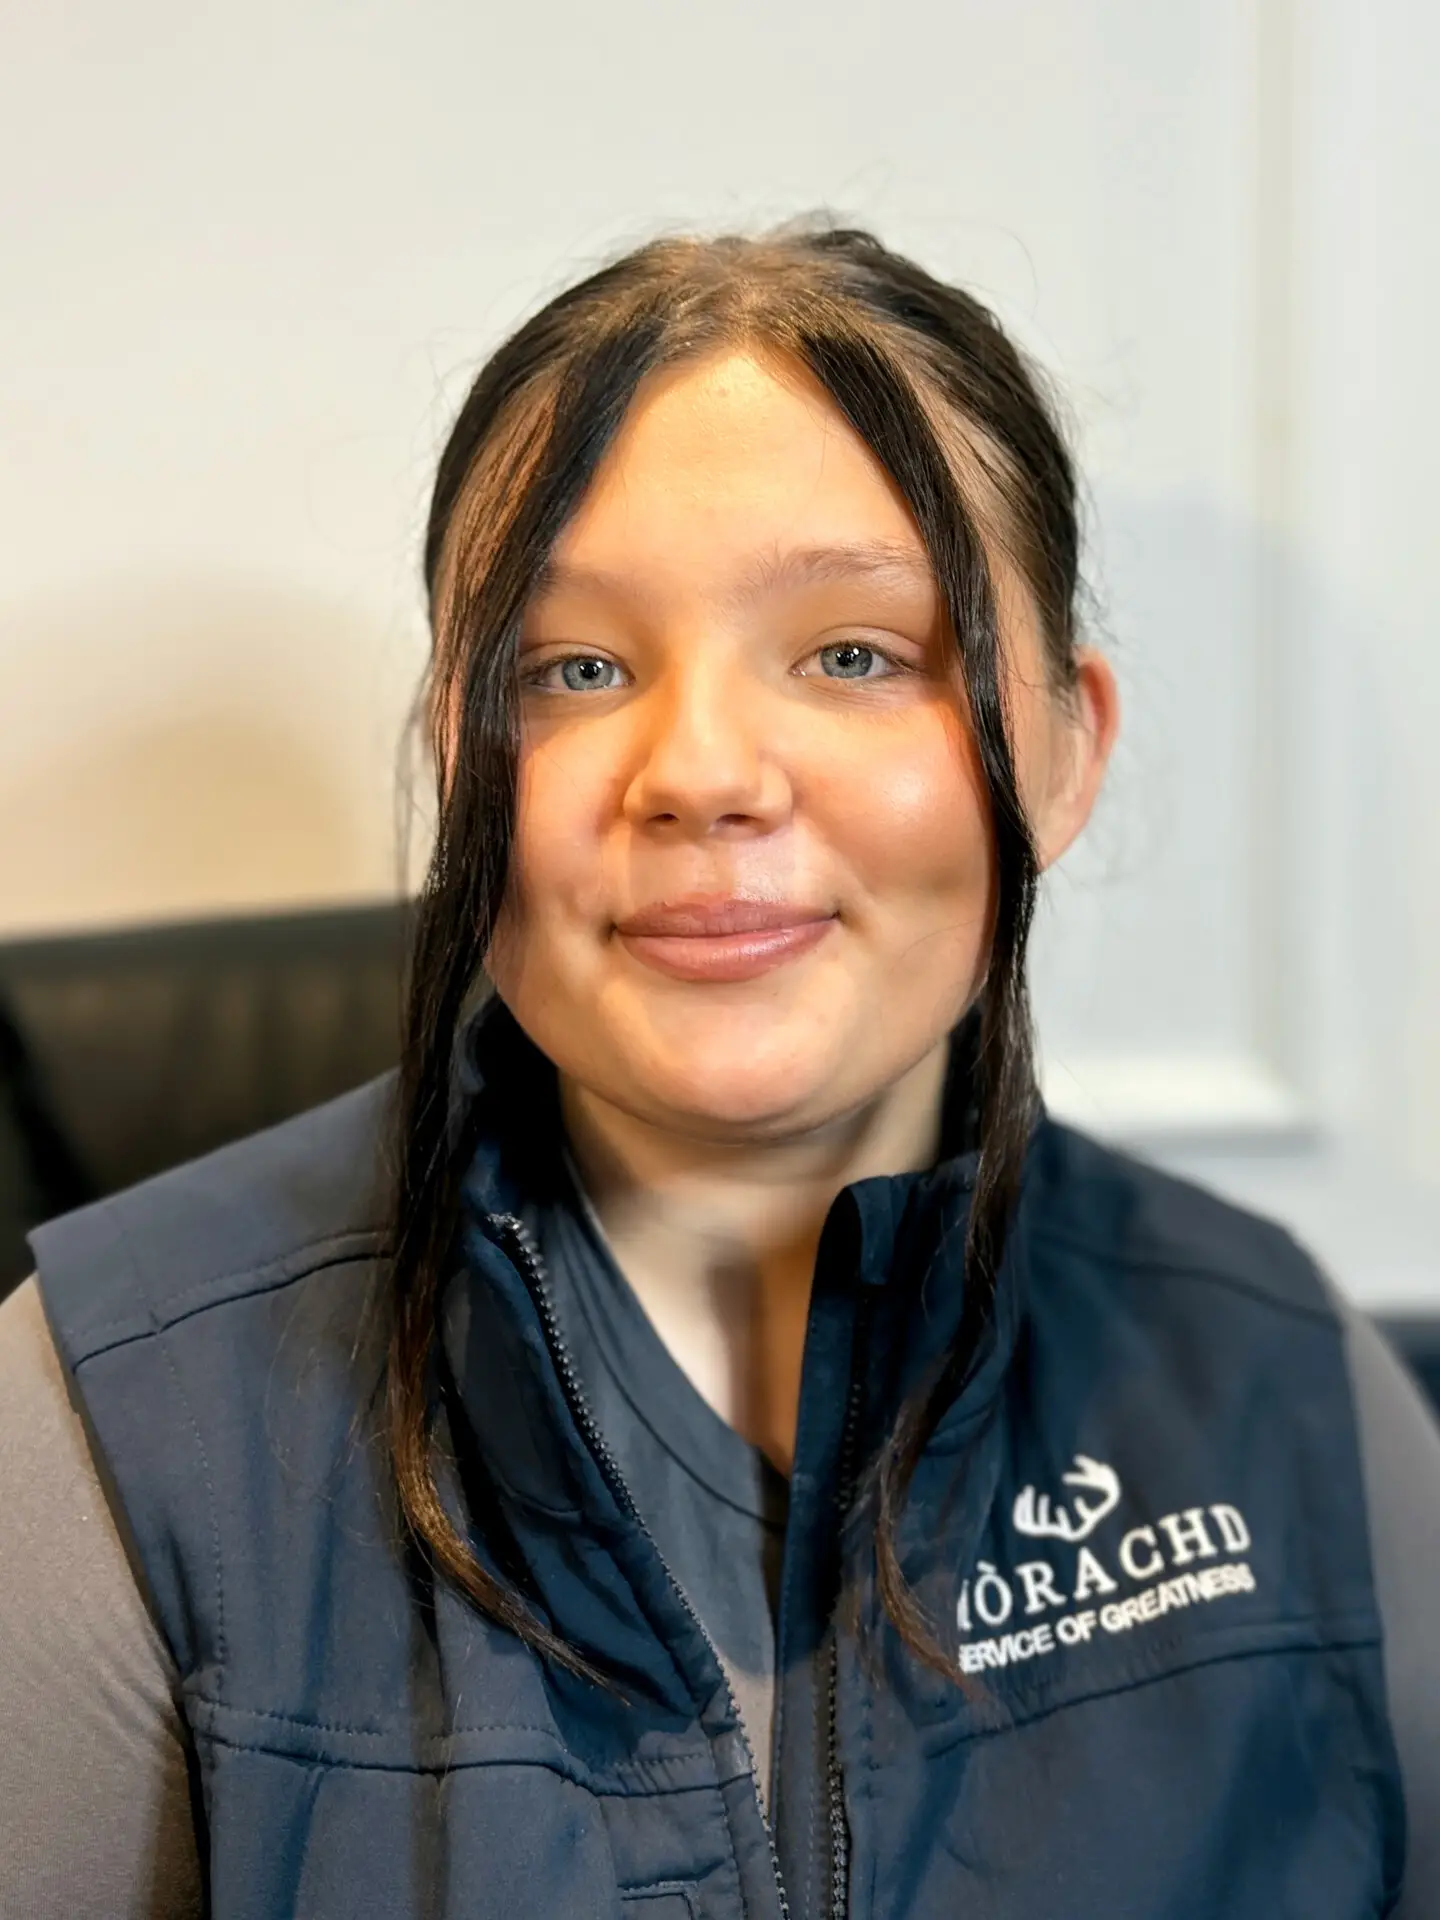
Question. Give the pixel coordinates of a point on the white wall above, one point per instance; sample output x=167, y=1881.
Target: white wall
x=251, y=256
x=1352, y=166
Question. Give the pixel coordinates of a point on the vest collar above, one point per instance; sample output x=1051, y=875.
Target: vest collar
x=898, y=1238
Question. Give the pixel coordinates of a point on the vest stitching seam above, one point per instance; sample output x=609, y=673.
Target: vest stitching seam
x=368, y=1733
x=1028, y=1714
x=570, y=1766
x=189, y=1413
x=1181, y=1270
x=1359, y=1634
x=577, y=1776
x=582, y=1777
x=269, y=1285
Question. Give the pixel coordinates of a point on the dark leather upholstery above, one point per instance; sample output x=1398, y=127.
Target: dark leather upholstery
x=125, y=1053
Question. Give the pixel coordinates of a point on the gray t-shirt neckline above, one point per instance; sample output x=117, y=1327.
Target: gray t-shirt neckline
x=661, y=1396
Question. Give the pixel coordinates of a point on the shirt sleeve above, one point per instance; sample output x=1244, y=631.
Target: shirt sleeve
x=1400, y=1453
x=96, y=1818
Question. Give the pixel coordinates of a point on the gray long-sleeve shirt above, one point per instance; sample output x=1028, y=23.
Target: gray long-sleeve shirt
x=96, y=1815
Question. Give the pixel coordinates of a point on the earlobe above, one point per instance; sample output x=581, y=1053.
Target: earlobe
x=1086, y=728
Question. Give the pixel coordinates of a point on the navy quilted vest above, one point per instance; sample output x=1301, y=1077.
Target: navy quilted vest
x=1141, y=1526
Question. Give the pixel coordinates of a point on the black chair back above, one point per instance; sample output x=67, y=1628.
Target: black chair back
x=123, y=1053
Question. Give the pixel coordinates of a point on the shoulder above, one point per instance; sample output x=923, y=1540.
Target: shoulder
x=1089, y=1204
x=218, y=1325
x=1400, y=1454
x=81, y=1661
x=253, y=1216
x=65, y=1537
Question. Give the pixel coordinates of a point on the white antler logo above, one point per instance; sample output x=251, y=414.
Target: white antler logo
x=1035, y=1515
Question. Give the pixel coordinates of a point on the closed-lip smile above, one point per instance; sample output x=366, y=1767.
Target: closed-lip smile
x=720, y=937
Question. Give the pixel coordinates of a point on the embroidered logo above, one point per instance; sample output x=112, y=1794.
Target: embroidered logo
x=1184, y=1559
x=1034, y=1515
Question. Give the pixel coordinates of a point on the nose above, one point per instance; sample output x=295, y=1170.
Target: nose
x=706, y=764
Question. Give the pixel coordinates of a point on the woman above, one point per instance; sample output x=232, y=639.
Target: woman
x=702, y=1441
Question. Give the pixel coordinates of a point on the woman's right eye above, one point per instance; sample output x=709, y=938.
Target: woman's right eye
x=577, y=673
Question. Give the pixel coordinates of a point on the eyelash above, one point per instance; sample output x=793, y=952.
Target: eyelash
x=534, y=677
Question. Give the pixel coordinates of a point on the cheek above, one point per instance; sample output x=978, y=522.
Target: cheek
x=910, y=820
x=559, y=818
x=555, y=879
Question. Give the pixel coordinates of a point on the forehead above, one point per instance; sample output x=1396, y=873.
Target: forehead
x=732, y=466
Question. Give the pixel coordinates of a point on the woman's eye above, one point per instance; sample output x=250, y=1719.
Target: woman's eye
x=578, y=673
x=851, y=660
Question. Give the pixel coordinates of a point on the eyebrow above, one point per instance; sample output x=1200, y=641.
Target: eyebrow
x=768, y=573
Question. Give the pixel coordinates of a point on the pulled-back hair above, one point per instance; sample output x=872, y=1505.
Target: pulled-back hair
x=926, y=377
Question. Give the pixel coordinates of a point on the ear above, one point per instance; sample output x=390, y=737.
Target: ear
x=1085, y=721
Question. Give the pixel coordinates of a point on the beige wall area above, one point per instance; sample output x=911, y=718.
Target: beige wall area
x=199, y=745
x=251, y=255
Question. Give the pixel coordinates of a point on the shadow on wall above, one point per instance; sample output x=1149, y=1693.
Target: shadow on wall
x=196, y=747
x=1253, y=886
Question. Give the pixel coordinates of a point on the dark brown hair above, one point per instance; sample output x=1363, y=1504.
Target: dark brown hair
x=927, y=378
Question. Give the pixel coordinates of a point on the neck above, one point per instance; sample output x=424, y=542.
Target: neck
x=719, y=1241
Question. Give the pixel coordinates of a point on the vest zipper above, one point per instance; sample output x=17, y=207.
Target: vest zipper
x=839, y=1904
x=538, y=1282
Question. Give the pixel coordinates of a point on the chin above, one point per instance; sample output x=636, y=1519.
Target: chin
x=738, y=1084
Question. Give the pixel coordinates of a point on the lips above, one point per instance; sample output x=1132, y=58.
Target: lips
x=721, y=938
x=704, y=917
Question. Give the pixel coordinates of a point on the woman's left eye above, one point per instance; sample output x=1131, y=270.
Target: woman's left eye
x=853, y=660
x=577, y=673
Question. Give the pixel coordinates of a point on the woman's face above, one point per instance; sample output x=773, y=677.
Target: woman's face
x=753, y=875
